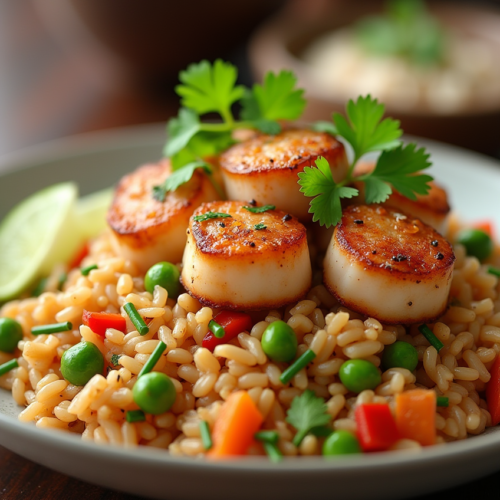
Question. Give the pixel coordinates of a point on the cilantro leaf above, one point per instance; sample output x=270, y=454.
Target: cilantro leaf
x=398, y=167
x=180, y=131
x=179, y=177
x=327, y=127
x=208, y=87
x=260, y=226
x=210, y=215
x=306, y=412
x=276, y=99
x=365, y=130
x=115, y=358
x=259, y=210
x=318, y=182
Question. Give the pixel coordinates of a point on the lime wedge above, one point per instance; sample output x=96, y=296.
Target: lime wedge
x=91, y=213
x=35, y=235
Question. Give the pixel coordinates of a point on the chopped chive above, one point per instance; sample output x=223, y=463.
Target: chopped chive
x=216, y=329
x=62, y=279
x=153, y=359
x=206, y=437
x=135, y=416
x=115, y=358
x=86, y=270
x=273, y=452
x=297, y=365
x=136, y=318
x=259, y=210
x=429, y=335
x=260, y=226
x=271, y=437
x=210, y=215
x=442, y=401
x=39, y=288
x=494, y=270
x=53, y=328
x=7, y=367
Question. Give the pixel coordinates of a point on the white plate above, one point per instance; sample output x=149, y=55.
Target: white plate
x=98, y=160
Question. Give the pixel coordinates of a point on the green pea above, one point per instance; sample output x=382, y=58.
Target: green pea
x=81, y=362
x=341, y=443
x=400, y=355
x=164, y=274
x=11, y=333
x=358, y=375
x=279, y=341
x=154, y=393
x=476, y=242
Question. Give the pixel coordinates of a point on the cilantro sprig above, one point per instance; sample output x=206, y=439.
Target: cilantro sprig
x=306, y=413
x=211, y=88
x=210, y=215
x=397, y=167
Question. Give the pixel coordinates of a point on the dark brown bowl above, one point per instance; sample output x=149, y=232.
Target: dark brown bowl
x=279, y=43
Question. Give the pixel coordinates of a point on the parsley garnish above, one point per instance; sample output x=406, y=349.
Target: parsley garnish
x=397, y=167
x=259, y=210
x=307, y=412
x=260, y=226
x=407, y=30
x=115, y=358
x=211, y=88
x=210, y=215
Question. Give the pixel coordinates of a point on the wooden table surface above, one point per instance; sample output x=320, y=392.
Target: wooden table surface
x=61, y=99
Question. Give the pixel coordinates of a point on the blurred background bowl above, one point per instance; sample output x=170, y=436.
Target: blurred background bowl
x=282, y=42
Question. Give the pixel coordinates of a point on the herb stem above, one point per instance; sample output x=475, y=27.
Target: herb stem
x=272, y=452
x=135, y=416
x=297, y=365
x=206, y=437
x=429, y=335
x=52, y=328
x=136, y=318
x=153, y=359
x=300, y=436
x=442, y=401
x=7, y=367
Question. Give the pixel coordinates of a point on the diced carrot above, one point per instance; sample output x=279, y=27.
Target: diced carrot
x=376, y=428
x=485, y=225
x=416, y=415
x=233, y=431
x=493, y=392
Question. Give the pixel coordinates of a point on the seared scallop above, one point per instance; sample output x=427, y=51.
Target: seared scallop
x=265, y=168
x=146, y=230
x=432, y=208
x=390, y=266
x=245, y=260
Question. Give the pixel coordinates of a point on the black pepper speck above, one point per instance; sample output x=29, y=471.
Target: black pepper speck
x=287, y=217
x=252, y=244
x=374, y=252
x=221, y=224
x=410, y=303
x=358, y=221
x=435, y=243
x=399, y=258
x=439, y=256
x=252, y=203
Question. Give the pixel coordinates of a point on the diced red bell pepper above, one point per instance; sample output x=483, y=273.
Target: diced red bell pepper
x=233, y=324
x=79, y=256
x=100, y=322
x=493, y=392
x=377, y=429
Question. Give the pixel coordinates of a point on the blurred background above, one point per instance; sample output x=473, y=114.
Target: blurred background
x=73, y=66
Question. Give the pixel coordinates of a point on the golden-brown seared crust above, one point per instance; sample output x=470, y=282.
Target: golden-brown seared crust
x=395, y=244
x=236, y=236
x=134, y=210
x=435, y=201
x=292, y=149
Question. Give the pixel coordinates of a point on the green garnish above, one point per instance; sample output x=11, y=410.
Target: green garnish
x=180, y=177
x=7, y=367
x=269, y=440
x=260, y=226
x=52, y=328
x=62, y=279
x=429, y=335
x=210, y=215
x=136, y=318
x=442, y=401
x=259, y=210
x=307, y=412
x=397, y=166
x=216, y=329
x=39, y=288
x=206, y=437
x=86, y=270
x=135, y=416
x=297, y=365
x=267, y=436
x=115, y=358
x=493, y=270
x=211, y=88
x=153, y=359
x=407, y=30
